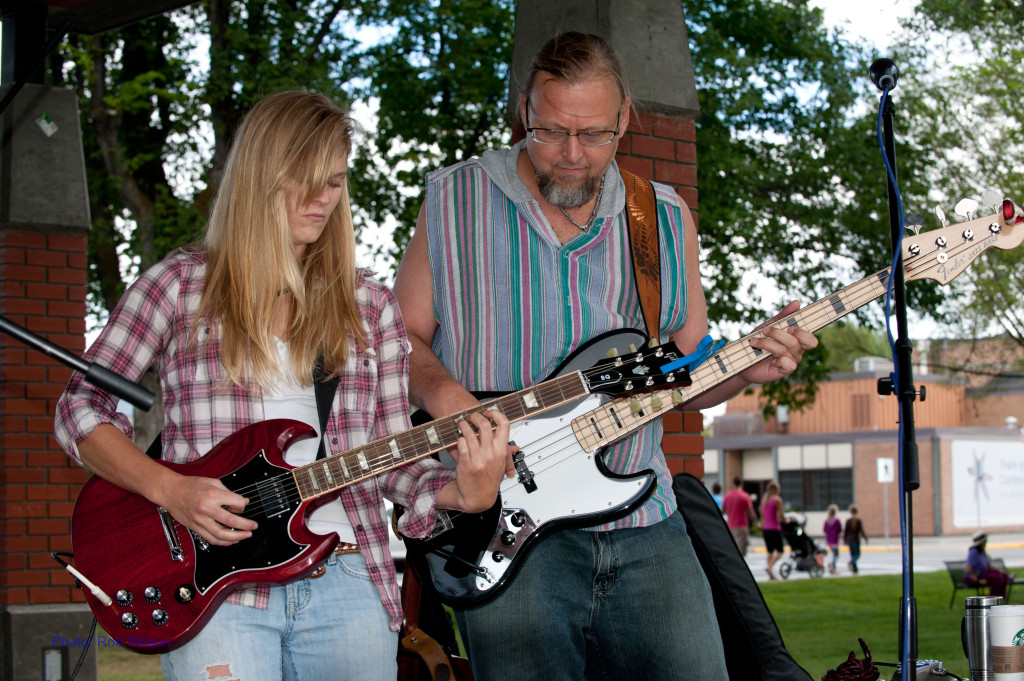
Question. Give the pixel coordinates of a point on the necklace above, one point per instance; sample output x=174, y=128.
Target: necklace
x=593, y=213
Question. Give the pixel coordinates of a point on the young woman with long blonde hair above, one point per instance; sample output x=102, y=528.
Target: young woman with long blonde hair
x=237, y=328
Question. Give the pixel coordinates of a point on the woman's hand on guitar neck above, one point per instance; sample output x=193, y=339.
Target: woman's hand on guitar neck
x=482, y=456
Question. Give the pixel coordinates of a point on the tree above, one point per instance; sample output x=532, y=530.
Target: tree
x=968, y=123
x=785, y=187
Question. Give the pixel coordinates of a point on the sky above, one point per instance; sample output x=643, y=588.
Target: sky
x=876, y=20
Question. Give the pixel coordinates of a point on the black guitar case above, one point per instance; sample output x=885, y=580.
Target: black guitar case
x=754, y=650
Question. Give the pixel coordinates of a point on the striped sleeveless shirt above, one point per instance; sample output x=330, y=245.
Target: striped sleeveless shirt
x=513, y=302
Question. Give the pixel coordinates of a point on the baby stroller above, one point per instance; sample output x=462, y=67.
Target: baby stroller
x=805, y=554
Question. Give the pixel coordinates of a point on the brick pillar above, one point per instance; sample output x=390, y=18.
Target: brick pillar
x=664, y=149
x=44, y=219
x=660, y=144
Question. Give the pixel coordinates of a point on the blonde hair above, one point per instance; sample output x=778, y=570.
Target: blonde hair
x=289, y=142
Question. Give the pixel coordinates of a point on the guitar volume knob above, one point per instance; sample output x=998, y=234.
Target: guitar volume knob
x=129, y=620
x=508, y=538
x=124, y=597
x=160, y=617
x=152, y=594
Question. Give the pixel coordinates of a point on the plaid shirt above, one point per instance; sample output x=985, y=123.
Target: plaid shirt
x=150, y=325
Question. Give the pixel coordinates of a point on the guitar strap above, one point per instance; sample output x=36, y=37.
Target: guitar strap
x=324, y=387
x=644, y=248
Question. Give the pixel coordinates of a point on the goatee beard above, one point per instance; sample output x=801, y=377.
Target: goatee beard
x=566, y=197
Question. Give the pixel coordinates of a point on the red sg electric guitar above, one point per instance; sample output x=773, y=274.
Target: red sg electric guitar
x=152, y=584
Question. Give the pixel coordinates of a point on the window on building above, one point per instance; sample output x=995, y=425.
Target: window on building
x=814, y=490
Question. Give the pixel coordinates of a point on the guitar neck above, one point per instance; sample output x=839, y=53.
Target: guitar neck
x=616, y=419
x=334, y=472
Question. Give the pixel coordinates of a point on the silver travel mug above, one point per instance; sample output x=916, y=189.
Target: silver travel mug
x=974, y=635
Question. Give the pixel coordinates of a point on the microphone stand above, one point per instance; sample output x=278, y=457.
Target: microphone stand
x=94, y=373
x=884, y=75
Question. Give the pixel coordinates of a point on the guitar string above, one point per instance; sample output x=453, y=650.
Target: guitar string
x=378, y=453
x=924, y=263
x=818, y=318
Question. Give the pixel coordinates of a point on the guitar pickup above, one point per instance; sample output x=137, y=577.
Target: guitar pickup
x=524, y=472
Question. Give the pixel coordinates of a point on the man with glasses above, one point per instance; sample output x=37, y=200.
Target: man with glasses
x=519, y=257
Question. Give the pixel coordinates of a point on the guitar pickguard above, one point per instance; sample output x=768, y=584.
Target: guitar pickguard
x=273, y=503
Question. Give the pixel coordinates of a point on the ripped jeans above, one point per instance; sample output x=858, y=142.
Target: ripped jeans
x=332, y=627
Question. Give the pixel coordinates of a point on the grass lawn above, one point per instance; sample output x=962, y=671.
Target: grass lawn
x=820, y=621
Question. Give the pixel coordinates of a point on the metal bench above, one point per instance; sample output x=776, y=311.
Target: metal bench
x=956, y=568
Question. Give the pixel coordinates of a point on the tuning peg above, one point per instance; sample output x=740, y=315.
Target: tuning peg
x=915, y=222
x=656, y=401
x=612, y=352
x=635, y=406
x=632, y=347
x=993, y=200
x=677, y=397
x=1012, y=213
x=941, y=215
x=966, y=208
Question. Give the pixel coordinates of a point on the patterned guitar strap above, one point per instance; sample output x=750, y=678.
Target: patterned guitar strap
x=645, y=248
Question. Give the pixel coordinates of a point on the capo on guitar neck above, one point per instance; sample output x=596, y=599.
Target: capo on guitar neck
x=693, y=360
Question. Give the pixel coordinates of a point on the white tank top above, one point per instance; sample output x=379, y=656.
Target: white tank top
x=289, y=400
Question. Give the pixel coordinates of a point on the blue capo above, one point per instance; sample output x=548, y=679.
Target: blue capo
x=689, y=362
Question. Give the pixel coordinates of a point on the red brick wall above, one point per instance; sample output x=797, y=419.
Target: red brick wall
x=43, y=280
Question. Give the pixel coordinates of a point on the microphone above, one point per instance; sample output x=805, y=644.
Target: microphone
x=884, y=74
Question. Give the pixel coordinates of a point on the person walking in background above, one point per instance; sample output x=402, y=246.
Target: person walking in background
x=833, y=528
x=771, y=526
x=716, y=494
x=979, y=570
x=739, y=514
x=852, y=534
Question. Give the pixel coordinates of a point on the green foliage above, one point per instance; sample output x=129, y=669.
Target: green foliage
x=965, y=119
x=847, y=341
x=439, y=75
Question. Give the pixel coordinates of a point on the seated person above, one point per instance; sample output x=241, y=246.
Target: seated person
x=980, y=571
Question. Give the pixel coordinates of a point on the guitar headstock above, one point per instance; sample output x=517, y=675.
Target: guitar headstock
x=637, y=371
x=942, y=254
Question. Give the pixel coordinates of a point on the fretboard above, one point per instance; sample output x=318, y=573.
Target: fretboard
x=334, y=472
x=618, y=418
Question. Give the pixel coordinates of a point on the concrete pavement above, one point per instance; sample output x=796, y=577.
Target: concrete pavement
x=884, y=557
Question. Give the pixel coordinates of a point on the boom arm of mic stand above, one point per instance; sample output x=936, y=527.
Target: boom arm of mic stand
x=95, y=374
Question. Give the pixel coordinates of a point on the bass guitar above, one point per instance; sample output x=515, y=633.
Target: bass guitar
x=471, y=557
x=152, y=584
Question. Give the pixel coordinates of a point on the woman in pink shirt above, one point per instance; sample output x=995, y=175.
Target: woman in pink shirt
x=771, y=525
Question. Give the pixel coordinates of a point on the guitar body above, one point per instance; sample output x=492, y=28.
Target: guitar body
x=125, y=545
x=478, y=554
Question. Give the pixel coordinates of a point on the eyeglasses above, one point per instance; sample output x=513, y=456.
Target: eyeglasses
x=592, y=138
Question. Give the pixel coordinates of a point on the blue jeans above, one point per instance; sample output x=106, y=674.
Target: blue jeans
x=333, y=627
x=854, y=555
x=625, y=604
